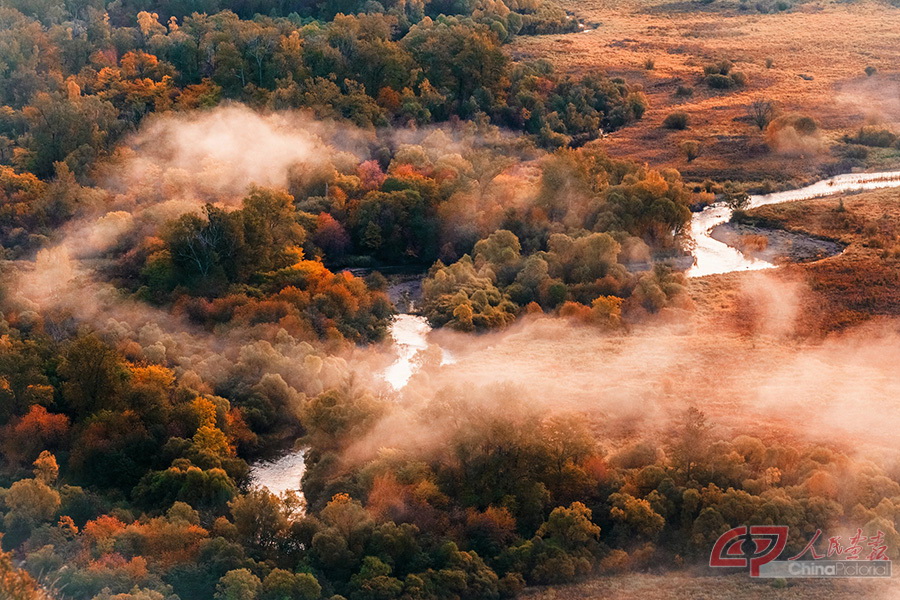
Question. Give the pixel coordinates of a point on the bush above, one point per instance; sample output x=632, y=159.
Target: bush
x=739, y=79
x=719, y=75
x=684, y=91
x=723, y=67
x=761, y=112
x=873, y=136
x=676, y=120
x=691, y=149
x=649, y=64
x=855, y=152
x=870, y=70
x=795, y=135
x=719, y=82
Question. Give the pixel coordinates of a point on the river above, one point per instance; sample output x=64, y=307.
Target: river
x=712, y=257
x=409, y=332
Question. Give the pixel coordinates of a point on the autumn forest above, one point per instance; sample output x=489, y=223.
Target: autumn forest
x=215, y=216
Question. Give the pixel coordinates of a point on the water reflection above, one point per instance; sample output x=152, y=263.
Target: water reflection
x=712, y=256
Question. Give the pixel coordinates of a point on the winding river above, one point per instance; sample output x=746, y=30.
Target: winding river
x=410, y=336
x=713, y=257
x=410, y=332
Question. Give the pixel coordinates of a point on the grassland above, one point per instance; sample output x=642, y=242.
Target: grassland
x=775, y=348
x=809, y=60
x=858, y=285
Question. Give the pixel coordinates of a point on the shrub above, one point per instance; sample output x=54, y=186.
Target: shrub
x=870, y=70
x=676, y=120
x=873, y=136
x=735, y=196
x=719, y=82
x=691, y=149
x=761, y=112
x=795, y=135
x=855, y=152
x=649, y=64
x=684, y=91
x=804, y=125
x=723, y=67
x=739, y=79
x=719, y=75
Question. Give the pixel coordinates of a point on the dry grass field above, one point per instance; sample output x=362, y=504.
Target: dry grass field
x=804, y=351
x=859, y=285
x=761, y=352
x=810, y=60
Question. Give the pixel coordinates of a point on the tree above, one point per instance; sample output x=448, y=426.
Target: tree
x=260, y=518
x=736, y=199
x=689, y=447
x=32, y=501
x=570, y=528
x=636, y=514
x=72, y=130
x=761, y=112
x=490, y=531
x=331, y=237
x=16, y=584
x=373, y=581
x=270, y=230
x=284, y=585
x=500, y=248
x=45, y=468
x=94, y=375
x=691, y=149
x=458, y=60
x=209, y=489
x=38, y=429
x=239, y=584
x=204, y=250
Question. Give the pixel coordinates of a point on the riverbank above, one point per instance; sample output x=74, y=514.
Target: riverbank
x=862, y=282
x=713, y=256
x=776, y=246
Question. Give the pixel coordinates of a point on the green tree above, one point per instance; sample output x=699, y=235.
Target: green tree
x=688, y=446
x=32, y=501
x=261, y=519
x=239, y=584
x=570, y=528
x=72, y=130
x=284, y=585
x=94, y=375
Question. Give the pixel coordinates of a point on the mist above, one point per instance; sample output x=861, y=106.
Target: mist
x=754, y=372
x=174, y=165
x=755, y=375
